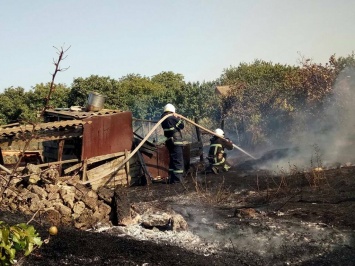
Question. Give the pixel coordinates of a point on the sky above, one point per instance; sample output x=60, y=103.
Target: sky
x=195, y=38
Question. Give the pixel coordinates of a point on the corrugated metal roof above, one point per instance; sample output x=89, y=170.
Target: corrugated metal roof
x=65, y=113
x=10, y=131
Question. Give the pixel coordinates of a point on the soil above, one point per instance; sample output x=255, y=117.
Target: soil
x=235, y=218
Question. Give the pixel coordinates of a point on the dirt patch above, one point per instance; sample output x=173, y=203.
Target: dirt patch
x=235, y=218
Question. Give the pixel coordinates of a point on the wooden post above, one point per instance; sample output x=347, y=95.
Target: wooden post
x=199, y=139
x=127, y=169
x=60, y=155
x=85, y=165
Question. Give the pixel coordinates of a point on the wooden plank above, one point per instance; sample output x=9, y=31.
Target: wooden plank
x=51, y=163
x=104, y=157
x=117, y=178
x=104, y=169
x=72, y=168
x=5, y=169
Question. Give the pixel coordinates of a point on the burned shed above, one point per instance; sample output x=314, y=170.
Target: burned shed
x=104, y=138
x=96, y=146
x=89, y=144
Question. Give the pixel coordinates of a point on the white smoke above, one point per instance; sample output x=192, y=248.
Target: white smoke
x=327, y=141
x=331, y=138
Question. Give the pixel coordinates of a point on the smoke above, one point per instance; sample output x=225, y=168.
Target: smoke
x=331, y=138
x=326, y=140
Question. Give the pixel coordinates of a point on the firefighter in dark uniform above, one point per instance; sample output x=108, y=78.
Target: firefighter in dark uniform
x=216, y=154
x=172, y=127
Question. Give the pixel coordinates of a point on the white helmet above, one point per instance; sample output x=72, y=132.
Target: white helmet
x=169, y=108
x=219, y=132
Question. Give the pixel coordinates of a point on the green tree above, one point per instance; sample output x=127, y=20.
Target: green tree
x=140, y=95
x=81, y=87
x=171, y=84
x=13, y=105
x=197, y=100
x=258, y=100
x=36, y=96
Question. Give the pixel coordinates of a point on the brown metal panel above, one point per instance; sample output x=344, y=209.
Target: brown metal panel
x=157, y=162
x=107, y=134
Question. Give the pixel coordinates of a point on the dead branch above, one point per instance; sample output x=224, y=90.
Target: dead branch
x=57, y=69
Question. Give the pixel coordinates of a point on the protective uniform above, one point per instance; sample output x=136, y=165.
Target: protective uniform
x=172, y=127
x=216, y=155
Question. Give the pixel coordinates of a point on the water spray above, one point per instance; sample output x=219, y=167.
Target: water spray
x=251, y=156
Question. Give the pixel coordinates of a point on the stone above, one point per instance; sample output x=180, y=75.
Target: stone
x=155, y=219
x=179, y=223
x=104, y=208
x=78, y=208
x=68, y=195
x=41, y=192
x=62, y=209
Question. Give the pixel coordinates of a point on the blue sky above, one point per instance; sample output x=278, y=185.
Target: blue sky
x=196, y=38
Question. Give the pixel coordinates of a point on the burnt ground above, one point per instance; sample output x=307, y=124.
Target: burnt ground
x=241, y=218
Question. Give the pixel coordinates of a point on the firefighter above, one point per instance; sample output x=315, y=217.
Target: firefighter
x=172, y=127
x=216, y=155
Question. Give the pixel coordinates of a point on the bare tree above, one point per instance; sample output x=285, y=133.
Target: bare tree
x=61, y=56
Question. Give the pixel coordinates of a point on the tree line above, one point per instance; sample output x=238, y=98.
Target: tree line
x=262, y=96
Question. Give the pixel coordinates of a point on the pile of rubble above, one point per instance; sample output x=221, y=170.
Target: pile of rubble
x=66, y=201
x=59, y=200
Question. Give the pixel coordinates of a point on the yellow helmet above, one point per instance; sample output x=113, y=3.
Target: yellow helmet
x=169, y=108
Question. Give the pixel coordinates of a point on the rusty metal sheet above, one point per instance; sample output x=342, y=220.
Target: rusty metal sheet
x=107, y=134
x=157, y=162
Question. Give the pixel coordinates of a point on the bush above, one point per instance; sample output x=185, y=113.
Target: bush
x=17, y=238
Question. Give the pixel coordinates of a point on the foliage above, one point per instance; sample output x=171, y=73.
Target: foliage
x=81, y=88
x=197, y=100
x=264, y=100
x=17, y=238
x=36, y=96
x=140, y=95
x=258, y=100
x=13, y=105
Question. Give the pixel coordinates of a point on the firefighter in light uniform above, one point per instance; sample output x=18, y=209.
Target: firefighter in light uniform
x=216, y=155
x=172, y=127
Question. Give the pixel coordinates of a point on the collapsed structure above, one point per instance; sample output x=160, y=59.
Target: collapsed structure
x=65, y=165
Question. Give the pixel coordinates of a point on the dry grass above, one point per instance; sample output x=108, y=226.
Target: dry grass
x=209, y=190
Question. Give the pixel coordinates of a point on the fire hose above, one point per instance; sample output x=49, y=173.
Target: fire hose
x=146, y=138
x=211, y=132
